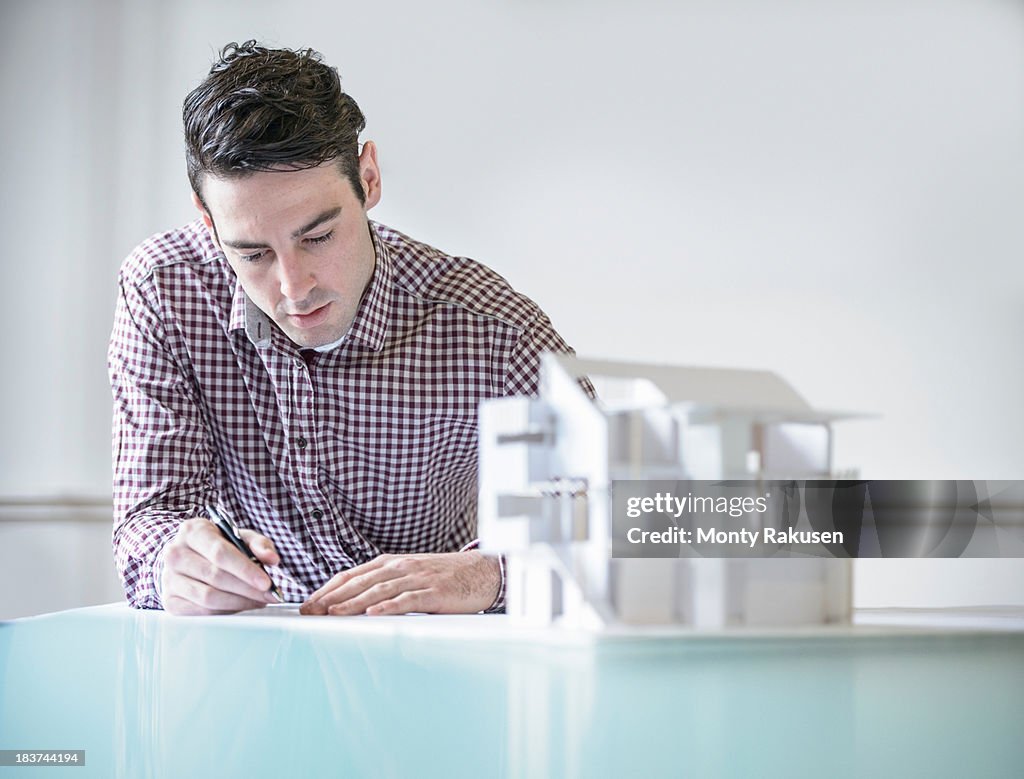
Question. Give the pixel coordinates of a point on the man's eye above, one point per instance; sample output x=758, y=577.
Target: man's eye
x=251, y=257
x=321, y=238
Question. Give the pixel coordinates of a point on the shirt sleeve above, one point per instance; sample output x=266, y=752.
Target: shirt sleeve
x=522, y=373
x=522, y=376
x=162, y=458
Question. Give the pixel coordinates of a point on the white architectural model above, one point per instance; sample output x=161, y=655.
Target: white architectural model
x=547, y=465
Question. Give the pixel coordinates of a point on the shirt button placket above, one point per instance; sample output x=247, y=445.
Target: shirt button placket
x=305, y=453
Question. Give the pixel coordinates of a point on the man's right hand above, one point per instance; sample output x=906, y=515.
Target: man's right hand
x=203, y=573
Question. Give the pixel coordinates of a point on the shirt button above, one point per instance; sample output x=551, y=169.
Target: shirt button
x=301, y=442
x=318, y=514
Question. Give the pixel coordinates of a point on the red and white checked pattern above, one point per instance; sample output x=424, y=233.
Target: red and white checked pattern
x=337, y=457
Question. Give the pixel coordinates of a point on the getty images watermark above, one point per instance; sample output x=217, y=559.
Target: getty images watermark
x=819, y=518
x=669, y=505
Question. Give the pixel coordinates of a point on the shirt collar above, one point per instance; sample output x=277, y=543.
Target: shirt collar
x=246, y=316
x=370, y=325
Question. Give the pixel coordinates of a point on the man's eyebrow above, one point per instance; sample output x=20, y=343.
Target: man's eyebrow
x=325, y=216
x=244, y=244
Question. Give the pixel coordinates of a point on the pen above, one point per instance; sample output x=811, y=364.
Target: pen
x=230, y=532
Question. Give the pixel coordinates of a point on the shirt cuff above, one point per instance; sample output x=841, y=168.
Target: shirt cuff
x=498, y=606
x=158, y=575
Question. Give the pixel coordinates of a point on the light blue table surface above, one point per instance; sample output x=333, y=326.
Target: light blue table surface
x=150, y=695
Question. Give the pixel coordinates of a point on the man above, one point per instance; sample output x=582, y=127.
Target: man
x=313, y=374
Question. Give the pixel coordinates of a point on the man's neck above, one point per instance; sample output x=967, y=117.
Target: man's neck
x=328, y=347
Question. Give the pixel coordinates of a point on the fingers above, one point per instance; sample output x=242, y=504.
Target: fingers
x=450, y=583
x=261, y=546
x=186, y=562
x=206, y=540
x=378, y=573
x=367, y=591
x=403, y=603
x=186, y=608
x=196, y=597
x=204, y=573
x=339, y=579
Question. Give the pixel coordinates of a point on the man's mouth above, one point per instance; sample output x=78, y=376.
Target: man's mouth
x=312, y=319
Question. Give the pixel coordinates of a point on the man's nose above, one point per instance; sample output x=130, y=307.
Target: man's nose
x=296, y=277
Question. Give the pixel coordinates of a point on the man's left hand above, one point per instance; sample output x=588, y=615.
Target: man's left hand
x=451, y=583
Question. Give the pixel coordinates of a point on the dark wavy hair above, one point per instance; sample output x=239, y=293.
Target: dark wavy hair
x=270, y=109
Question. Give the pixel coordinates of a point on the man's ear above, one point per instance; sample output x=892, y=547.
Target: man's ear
x=207, y=219
x=369, y=174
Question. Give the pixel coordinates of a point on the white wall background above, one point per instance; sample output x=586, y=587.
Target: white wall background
x=831, y=190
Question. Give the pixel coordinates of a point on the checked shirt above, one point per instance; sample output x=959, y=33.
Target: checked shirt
x=337, y=457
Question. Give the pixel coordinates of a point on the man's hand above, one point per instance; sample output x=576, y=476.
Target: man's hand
x=204, y=573
x=452, y=583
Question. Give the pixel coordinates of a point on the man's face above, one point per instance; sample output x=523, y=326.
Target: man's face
x=299, y=243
